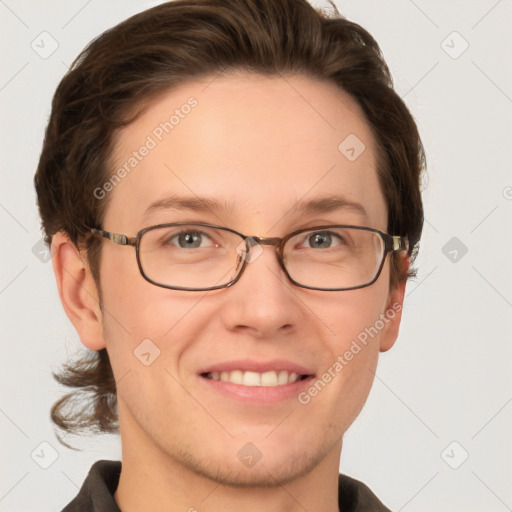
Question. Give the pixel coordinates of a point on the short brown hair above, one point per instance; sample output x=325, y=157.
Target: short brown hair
x=112, y=80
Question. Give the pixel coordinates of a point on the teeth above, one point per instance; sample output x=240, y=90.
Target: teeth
x=282, y=378
x=269, y=379
x=236, y=377
x=251, y=379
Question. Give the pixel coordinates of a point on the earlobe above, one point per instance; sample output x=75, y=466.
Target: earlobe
x=393, y=312
x=77, y=291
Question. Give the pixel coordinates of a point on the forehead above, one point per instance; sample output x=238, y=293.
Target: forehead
x=257, y=146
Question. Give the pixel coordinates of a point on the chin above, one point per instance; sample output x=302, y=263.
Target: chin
x=269, y=470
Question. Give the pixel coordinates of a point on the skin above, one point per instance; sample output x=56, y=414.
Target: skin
x=256, y=142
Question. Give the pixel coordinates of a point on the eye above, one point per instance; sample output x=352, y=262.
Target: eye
x=323, y=240
x=191, y=239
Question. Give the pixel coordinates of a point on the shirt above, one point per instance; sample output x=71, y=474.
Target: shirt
x=97, y=492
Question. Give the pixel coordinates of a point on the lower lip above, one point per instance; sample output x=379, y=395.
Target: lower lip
x=258, y=395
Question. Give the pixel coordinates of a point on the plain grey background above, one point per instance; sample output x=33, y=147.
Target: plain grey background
x=435, y=432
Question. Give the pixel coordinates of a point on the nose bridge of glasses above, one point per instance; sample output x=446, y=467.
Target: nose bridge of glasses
x=262, y=240
x=254, y=247
x=275, y=241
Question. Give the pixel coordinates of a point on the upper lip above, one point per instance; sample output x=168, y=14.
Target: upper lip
x=257, y=366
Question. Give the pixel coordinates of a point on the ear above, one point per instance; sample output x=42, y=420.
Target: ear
x=77, y=291
x=393, y=311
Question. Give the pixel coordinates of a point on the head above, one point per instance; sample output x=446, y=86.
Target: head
x=247, y=104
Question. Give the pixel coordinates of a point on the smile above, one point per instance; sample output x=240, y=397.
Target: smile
x=249, y=378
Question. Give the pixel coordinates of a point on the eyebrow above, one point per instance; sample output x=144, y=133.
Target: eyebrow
x=325, y=204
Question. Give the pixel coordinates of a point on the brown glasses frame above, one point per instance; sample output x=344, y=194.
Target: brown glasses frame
x=391, y=243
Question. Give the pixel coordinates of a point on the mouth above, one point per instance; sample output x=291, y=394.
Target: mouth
x=272, y=378
x=257, y=383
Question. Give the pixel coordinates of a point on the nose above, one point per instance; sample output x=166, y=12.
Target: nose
x=262, y=302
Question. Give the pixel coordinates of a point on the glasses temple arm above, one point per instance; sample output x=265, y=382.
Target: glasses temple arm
x=116, y=238
x=399, y=243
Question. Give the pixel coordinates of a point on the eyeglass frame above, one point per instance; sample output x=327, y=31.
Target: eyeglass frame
x=392, y=243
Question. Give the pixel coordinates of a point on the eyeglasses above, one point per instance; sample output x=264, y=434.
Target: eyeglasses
x=200, y=257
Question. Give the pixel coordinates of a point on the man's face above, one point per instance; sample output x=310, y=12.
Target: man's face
x=258, y=146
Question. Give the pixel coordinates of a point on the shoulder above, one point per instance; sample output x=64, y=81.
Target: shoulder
x=97, y=491
x=355, y=496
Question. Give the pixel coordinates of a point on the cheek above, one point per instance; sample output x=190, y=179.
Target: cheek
x=141, y=318
x=339, y=391
x=349, y=352
x=133, y=306
x=353, y=349
x=350, y=316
